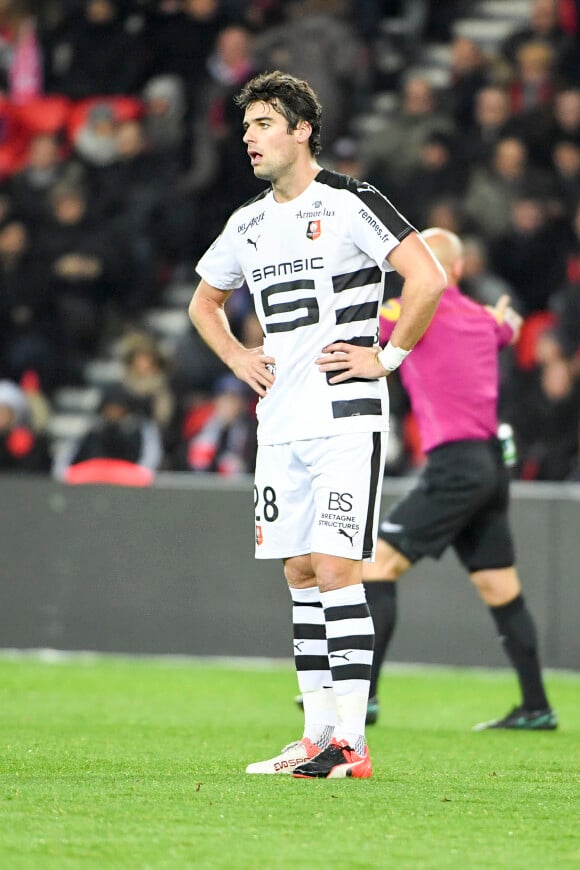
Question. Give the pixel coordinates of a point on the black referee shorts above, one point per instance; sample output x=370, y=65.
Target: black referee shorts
x=461, y=500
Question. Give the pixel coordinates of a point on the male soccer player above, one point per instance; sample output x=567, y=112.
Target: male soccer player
x=462, y=496
x=313, y=249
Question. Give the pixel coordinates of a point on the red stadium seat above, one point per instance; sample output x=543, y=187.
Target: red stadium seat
x=116, y=472
x=47, y=114
x=532, y=328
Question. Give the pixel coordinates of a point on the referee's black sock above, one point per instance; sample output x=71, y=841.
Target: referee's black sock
x=517, y=633
x=382, y=602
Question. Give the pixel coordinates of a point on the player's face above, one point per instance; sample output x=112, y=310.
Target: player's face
x=272, y=149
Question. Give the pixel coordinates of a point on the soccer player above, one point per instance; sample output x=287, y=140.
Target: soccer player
x=313, y=249
x=462, y=496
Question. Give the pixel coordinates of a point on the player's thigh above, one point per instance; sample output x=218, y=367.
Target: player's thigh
x=347, y=473
x=283, y=503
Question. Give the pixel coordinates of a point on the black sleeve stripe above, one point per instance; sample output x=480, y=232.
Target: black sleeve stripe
x=360, y=278
x=378, y=205
x=364, y=311
x=375, y=201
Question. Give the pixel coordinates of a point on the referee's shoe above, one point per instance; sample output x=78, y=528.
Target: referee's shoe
x=520, y=719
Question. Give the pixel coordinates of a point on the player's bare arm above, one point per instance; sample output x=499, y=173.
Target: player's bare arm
x=207, y=313
x=424, y=283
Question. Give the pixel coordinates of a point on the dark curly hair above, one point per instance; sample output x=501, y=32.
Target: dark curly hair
x=293, y=98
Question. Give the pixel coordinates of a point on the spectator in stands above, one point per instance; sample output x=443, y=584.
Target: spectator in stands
x=122, y=431
x=134, y=193
x=145, y=377
x=493, y=188
x=216, y=186
x=565, y=300
x=182, y=42
x=469, y=73
x=493, y=121
x=29, y=337
x=566, y=165
x=530, y=254
x=45, y=167
x=316, y=44
x=94, y=54
x=478, y=280
x=545, y=414
x=395, y=151
x=84, y=271
x=164, y=120
x=95, y=141
x=21, y=448
x=543, y=26
x=437, y=170
x=226, y=440
x=534, y=82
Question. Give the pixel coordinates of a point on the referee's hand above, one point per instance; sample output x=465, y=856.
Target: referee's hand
x=504, y=313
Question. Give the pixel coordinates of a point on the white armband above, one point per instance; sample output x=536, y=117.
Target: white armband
x=391, y=357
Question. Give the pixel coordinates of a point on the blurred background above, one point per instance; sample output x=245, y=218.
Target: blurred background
x=121, y=157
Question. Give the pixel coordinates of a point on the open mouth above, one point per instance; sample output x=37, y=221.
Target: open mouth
x=255, y=157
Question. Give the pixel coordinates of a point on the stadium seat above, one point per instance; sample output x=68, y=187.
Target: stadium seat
x=116, y=472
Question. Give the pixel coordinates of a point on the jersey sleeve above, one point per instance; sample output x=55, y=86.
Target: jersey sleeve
x=389, y=315
x=505, y=334
x=376, y=225
x=219, y=266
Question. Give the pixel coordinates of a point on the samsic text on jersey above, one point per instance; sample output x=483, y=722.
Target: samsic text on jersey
x=315, y=268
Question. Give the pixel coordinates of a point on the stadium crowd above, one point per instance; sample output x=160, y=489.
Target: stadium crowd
x=121, y=157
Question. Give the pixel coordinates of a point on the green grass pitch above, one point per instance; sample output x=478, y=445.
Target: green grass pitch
x=122, y=763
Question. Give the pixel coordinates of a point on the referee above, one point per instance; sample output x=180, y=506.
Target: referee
x=462, y=496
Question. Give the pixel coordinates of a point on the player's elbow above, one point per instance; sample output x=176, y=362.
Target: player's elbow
x=192, y=309
x=436, y=281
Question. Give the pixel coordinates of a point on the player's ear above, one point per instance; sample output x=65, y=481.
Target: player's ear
x=303, y=131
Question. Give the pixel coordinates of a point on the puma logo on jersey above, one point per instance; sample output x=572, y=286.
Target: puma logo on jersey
x=344, y=656
x=252, y=242
x=346, y=535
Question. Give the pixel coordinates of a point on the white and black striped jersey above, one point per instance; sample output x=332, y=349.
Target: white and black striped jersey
x=315, y=267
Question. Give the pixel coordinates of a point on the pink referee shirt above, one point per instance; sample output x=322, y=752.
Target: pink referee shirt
x=452, y=374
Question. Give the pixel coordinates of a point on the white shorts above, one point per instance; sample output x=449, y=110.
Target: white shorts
x=320, y=495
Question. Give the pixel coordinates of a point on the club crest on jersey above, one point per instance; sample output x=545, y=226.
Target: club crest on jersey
x=313, y=229
x=259, y=535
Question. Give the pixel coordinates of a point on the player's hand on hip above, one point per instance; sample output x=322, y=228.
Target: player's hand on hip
x=351, y=361
x=256, y=369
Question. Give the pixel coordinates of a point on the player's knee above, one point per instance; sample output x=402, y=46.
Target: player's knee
x=299, y=573
x=496, y=586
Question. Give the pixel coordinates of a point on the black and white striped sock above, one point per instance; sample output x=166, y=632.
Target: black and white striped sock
x=311, y=660
x=350, y=633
